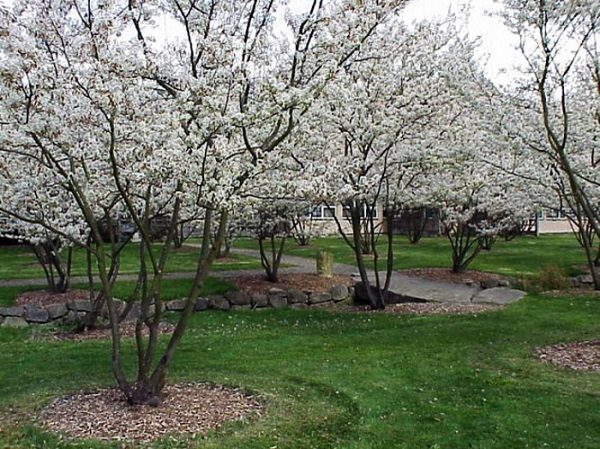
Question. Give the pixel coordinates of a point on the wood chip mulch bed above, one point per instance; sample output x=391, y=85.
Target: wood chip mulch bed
x=191, y=409
x=299, y=281
x=104, y=332
x=45, y=298
x=446, y=275
x=579, y=356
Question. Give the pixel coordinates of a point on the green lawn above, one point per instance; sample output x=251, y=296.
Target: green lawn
x=351, y=381
x=521, y=257
x=171, y=289
x=18, y=262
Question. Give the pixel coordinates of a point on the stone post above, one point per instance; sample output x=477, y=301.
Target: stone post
x=324, y=264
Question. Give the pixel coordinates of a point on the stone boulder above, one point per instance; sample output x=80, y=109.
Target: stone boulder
x=56, y=311
x=73, y=317
x=12, y=311
x=177, y=305
x=319, y=298
x=277, y=298
x=218, y=302
x=80, y=306
x=14, y=321
x=299, y=306
x=278, y=302
x=37, y=314
x=586, y=279
x=339, y=293
x=238, y=298
x=134, y=312
x=119, y=304
x=296, y=296
x=200, y=305
x=259, y=300
x=244, y=307
x=489, y=283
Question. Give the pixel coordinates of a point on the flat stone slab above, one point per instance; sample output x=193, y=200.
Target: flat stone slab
x=431, y=291
x=499, y=296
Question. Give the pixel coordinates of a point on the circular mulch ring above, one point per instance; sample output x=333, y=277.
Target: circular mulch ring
x=446, y=275
x=189, y=409
x=579, y=356
x=44, y=298
x=127, y=330
x=301, y=281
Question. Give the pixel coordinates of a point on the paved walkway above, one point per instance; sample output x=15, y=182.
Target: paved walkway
x=419, y=288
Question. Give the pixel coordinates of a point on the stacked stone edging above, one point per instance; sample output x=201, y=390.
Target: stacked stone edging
x=276, y=298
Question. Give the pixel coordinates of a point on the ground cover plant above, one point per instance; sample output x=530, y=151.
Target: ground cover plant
x=521, y=257
x=422, y=382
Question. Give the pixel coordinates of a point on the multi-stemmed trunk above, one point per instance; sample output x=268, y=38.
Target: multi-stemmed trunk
x=270, y=258
x=416, y=221
x=366, y=230
x=151, y=373
x=56, y=270
x=301, y=229
x=465, y=245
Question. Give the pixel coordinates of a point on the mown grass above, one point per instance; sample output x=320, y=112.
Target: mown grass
x=171, y=289
x=352, y=381
x=522, y=257
x=18, y=262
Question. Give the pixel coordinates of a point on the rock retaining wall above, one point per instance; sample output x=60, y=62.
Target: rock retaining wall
x=72, y=311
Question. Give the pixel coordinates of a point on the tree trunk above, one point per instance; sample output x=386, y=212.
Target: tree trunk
x=465, y=246
x=271, y=264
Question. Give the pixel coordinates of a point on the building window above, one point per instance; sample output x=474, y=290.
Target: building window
x=322, y=212
x=556, y=214
x=363, y=211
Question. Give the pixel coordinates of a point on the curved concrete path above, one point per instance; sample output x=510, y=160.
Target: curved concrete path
x=425, y=289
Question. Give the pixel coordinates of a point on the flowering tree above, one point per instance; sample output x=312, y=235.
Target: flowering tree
x=559, y=44
x=381, y=122
x=478, y=205
x=131, y=126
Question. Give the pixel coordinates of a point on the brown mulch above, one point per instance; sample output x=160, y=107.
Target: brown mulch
x=190, y=409
x=301, y=281
x=45, y=298
x=428, y=308
x=579, y=356
x=446, y=275
x=103, y=332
